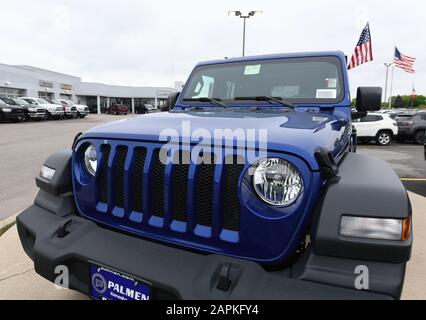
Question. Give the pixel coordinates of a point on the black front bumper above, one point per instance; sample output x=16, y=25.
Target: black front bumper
x=174, y=273
x=12, y=116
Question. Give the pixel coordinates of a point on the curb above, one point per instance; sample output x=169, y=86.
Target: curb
x=7, y=223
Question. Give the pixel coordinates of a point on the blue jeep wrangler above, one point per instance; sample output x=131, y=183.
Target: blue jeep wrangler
x=248, y=187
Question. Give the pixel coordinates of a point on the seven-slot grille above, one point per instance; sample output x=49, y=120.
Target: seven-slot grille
x=126, y=173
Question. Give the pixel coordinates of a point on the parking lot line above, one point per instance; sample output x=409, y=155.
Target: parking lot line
x=413, y=179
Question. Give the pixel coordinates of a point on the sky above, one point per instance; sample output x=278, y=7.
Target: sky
x=155, y=43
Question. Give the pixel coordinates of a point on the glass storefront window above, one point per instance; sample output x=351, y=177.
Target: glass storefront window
x=43, y=95
x=11, y=92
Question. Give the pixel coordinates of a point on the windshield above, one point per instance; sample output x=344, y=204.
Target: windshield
x=21, y=101
x=42, y=101
x=8, y=101
x=298, y=80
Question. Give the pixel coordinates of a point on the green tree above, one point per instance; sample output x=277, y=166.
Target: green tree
x=398, y=102
x=405, y=101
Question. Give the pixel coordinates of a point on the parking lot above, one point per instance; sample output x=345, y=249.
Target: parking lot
x=407, y=159
x=25, y=146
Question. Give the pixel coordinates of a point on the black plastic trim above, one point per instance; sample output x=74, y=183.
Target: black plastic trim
x=61, y=181
x=367, y=187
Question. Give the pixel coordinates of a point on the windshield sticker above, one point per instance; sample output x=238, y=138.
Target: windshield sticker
x=326, y=94
x=331, y=82
x=252, y=69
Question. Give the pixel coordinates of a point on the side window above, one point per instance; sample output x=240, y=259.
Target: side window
x=371, y=118
x=423, y=116
x=204, y=88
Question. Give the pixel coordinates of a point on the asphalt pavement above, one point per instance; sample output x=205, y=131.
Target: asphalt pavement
x=407, y=159
x=24, y=147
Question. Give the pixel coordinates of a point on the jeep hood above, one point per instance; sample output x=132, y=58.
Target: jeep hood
x=296, y=132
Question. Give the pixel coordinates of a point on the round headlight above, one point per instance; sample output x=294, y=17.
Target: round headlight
x=90, y=159
x=277, y=181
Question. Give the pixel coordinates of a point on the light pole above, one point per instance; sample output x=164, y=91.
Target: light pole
x=238, y=13
x=391, y=87
x=387, y=65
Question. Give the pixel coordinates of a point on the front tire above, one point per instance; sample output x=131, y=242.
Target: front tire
x=383, y=138
x=420, y=137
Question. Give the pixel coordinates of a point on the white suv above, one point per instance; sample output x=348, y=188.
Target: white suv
x=378, y=126
x=55, y=111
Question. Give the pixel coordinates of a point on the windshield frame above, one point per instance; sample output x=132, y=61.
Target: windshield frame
x=308, y=101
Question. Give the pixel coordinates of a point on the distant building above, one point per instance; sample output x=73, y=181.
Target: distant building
x=179, y=85
x=20, y=80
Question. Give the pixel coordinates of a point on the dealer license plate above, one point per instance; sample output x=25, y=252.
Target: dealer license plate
x=107, y=284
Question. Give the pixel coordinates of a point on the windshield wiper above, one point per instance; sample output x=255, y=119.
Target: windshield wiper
x=265, y=98
x=210, y=100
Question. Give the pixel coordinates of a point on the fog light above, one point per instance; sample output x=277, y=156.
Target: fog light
x=47, y=173
x=374, y=228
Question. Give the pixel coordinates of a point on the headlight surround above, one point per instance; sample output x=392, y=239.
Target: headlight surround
x=32, y=109
x=277, y=182
x=6, y=109
x=91, y=159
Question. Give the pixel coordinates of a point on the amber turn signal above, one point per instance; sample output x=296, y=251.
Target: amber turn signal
x=406, y=229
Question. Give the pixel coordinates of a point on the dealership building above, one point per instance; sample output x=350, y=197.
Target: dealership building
x=27, y=81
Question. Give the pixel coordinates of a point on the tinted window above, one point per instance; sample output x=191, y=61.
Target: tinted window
x=299, y=80
x=423, y=116
x=371, y=118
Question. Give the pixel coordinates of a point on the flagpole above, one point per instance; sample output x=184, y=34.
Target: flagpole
x=387, y=65
x=391, y=87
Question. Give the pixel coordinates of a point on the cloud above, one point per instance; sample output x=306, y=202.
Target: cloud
x=158, y=42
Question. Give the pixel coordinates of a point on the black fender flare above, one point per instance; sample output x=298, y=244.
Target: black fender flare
x=367, y=187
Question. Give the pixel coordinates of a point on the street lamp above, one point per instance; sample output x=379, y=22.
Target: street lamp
x=238, y=13
x=387, y=65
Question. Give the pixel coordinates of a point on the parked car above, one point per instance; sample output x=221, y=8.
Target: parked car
x=288, y=211
x=401, y=113
x=11, y=112
x=82, y=109
x=32, y=112
x=118, y=109
x=146, y=108
x=141, y=109
x=55, y=111
x=413, y=127
x=150, y=108
x=69, y=110
x=379, y=127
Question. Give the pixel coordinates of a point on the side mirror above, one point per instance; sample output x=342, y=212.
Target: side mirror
x=368, y=99
x=171, y=101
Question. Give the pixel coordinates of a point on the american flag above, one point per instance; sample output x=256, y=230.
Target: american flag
x=363, y=50
x=404, y=62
